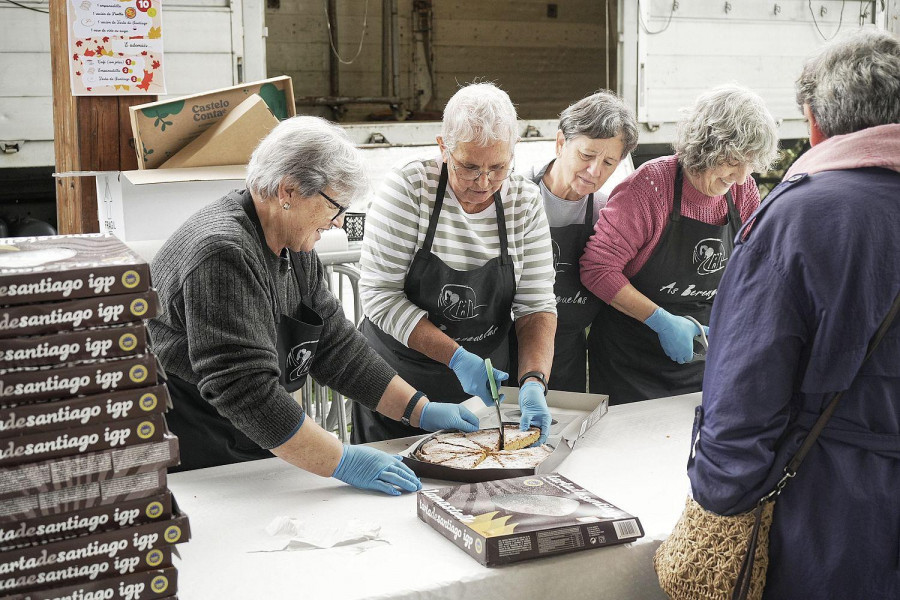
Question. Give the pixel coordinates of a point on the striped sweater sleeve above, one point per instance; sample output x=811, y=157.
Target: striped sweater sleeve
x=535, y=274
x=390, y=242
x=397, y=223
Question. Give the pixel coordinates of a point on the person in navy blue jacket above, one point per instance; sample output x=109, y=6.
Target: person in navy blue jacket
x=813, y=274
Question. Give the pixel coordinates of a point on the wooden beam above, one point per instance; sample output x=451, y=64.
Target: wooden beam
x=90, y=133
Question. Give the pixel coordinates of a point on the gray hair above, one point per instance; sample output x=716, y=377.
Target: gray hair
x=480, y=113
x=600, y=116
x=727, y=125
x=853, y=82
x=311, y=154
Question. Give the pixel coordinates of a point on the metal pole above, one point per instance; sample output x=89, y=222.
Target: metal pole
x=385, y=47
x=395, y=49
x=333, y=65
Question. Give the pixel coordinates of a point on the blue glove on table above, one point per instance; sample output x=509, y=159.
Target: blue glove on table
x=534, y=409
x=472, y=375
x=370, y=469
x=676, y=334
x=440, y=415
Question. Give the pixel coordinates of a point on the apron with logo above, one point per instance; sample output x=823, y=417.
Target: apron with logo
x=681, y=276
x=205, y=437
x=576, y=306
x=471, y=307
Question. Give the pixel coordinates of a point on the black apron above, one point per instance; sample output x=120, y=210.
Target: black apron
x=681, y=276
x=472, y=307
x=205, y=437
x=576, y=306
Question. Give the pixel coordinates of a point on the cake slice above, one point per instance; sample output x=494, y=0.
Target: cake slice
x=525, y=458
x=516, y=439
x=491, y=461
x=465, y=461
x=489, y=439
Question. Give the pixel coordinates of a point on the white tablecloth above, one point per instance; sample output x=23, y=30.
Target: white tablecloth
x=634, y=457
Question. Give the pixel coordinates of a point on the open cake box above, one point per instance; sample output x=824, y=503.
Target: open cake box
x=573, y=415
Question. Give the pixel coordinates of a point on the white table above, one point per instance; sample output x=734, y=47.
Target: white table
x=634, y=457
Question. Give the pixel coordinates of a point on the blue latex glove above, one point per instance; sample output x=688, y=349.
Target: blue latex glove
x=676, y=334
x=472, y=375
x=440, y=415
x=534, y=409
x=370, y=469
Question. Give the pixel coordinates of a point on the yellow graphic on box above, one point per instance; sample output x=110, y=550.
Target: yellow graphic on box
x=131, y=279
x=146, y=430
x=138, y=373
x=154, y=509
x=159, y=584
x=148, y=401
x=478, y=546
x=533, y=482
x=172, y=534
x=128, y=342
x=155, y=557
x=488, y=526
x=139, y=307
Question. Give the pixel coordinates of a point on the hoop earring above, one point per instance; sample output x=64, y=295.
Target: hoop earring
x=286, y=205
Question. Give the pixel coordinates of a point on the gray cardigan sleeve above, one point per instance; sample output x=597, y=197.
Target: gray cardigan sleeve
x=228, y=322
x=344, y=361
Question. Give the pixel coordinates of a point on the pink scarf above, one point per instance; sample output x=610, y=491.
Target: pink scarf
x=872, y=147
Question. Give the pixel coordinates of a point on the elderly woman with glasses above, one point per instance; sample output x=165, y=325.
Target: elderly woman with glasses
x=456, y=248
x=662, y=241
x=248, y=316
x=595, y=134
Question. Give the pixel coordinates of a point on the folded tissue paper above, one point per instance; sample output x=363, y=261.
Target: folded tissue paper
x=288, y=533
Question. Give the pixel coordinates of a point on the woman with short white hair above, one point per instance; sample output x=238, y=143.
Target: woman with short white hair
x=662, y=241
x=248, y=316
x=456, y=247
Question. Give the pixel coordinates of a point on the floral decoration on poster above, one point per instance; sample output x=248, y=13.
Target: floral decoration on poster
x=116, y=47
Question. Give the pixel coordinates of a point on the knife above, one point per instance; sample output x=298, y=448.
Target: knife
x=701, y=338
x=496, y=397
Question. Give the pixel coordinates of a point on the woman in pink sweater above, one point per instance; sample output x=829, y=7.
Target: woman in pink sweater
x=662, y=242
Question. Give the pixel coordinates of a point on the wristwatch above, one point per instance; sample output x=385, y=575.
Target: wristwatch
x=410, y=408
x=537, y=375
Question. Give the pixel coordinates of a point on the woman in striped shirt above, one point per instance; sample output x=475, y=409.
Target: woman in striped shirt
x=457, y=248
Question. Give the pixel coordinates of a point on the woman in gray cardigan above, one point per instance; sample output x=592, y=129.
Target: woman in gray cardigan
x=248, y=316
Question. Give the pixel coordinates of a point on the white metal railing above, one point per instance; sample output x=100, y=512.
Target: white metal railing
x=329, y=408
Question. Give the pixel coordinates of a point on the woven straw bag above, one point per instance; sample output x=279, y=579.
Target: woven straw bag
x=702, y=557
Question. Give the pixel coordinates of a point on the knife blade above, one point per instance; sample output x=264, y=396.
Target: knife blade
x=496, y=397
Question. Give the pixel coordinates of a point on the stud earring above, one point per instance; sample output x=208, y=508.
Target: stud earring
x=286, y=205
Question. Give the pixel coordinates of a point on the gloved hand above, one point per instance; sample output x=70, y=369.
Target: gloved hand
x=676, y=334
x=440, y=415
x=472, y=375
x=534, y=409
x=370, y=469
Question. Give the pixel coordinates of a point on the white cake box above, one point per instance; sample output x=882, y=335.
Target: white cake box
x=151, y=204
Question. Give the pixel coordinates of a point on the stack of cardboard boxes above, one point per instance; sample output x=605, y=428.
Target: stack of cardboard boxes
x=84, y=505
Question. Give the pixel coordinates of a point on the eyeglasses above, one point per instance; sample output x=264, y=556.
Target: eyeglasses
x=341, y=209
x=470, y=174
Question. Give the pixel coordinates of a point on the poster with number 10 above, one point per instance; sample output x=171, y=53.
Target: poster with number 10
x=116, y=47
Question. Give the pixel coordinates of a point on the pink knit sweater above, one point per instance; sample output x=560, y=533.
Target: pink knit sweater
x=632, y=222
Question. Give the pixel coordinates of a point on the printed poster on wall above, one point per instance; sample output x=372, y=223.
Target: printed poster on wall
x=116, y=47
